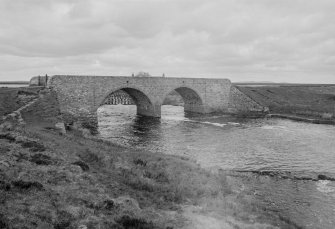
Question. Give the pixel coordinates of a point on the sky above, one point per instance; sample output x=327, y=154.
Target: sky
x=243, y=40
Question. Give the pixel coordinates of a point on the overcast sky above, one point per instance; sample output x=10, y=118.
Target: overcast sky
x=244, y=40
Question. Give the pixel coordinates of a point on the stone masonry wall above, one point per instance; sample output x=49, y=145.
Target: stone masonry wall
x=240, y=103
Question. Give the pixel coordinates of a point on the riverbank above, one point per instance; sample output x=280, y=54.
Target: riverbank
x=51, y=180
x=14, y=83
x=12, y=99
x=307, y=103
x=302, y=119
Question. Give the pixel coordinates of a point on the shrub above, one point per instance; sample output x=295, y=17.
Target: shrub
x=159, y=176
x=89, y=157
x=140, y=162
x=7, y=136
x=3, y=222
x=82, y=165
x=25, y=185
x=33, y=146
x=133, y=223
x=4, y=149
x=64, y=220
x=4, y=186
x=41, y=159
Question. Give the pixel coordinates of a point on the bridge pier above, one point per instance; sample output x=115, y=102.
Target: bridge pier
x=150, y=111
x=194, y=108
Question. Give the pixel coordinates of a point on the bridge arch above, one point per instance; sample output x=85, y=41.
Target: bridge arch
x=143, y=102
x=192, y=99
x=119, y=97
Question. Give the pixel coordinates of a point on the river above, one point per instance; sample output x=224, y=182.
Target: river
x=290, y=165
x=14, y=85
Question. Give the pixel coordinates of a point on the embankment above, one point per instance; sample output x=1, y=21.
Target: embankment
x=12, y=99
x=313, y=103
x=243, y=105
x=45, y=110
x=30, y=106
x=50, y=180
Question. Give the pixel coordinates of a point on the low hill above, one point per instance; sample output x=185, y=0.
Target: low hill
x=14, y=82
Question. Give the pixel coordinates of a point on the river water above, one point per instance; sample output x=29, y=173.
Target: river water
x=290, y=165
x=14, y=85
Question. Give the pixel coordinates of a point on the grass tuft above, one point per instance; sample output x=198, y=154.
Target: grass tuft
x=133, y=223
x=41, y=159
x=33, y=146
x=82, y=165
x=7, y=136
x=26, y=185
x=140, y=162
x=3, y=222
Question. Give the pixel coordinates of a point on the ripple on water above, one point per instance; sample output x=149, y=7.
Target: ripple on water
x=241, y=144
x=214, y=124
x=269, y=127
x=326, y=186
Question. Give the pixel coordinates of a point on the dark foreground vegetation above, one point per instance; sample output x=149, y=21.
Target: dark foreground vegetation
x=310, y=101
x=51, y=180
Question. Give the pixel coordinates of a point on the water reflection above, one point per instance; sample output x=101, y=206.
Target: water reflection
x=145, y=130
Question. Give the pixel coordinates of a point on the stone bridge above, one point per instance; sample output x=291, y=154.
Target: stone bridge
x=80, y=96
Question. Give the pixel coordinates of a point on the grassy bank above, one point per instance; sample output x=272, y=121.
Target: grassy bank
x=50, y=180
x=314, y=101
x=12, y=99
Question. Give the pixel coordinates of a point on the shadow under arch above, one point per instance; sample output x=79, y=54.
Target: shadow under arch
x=144, y=105
x=192, y=101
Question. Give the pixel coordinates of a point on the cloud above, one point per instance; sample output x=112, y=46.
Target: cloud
x=287, y=40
